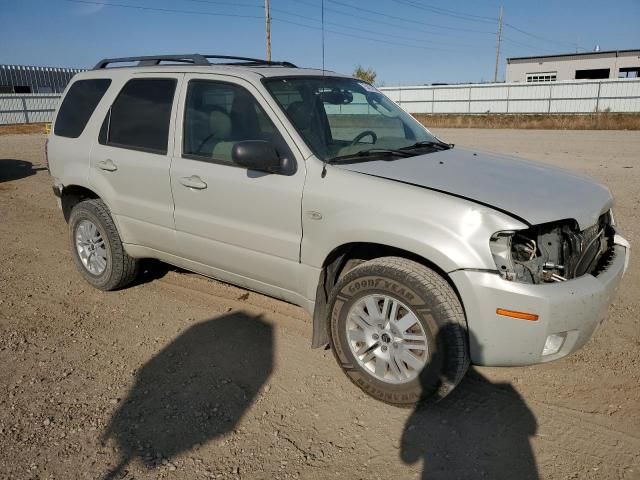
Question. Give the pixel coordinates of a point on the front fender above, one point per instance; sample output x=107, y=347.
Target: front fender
x=451, y=232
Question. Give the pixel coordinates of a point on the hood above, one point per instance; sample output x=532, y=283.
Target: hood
x=532, y=191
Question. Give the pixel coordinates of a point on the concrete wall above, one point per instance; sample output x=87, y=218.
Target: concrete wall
x=517, y=69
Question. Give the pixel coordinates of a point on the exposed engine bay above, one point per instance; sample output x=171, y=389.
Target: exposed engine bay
x=553, y=252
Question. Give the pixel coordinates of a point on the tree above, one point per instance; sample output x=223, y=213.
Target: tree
x=367, y=75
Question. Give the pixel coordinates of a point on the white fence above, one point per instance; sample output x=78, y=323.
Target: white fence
x=590, y=96
x=621, y=95
x=27, y=108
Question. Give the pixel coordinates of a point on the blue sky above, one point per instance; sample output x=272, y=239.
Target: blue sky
x=405, y=41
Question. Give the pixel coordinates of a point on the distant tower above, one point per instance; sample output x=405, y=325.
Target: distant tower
x=597, y=49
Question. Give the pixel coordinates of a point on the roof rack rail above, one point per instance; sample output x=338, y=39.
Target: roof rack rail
x=253, y=61
x=190, y=58
x=194, y=59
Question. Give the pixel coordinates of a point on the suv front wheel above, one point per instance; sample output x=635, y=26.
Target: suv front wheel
x=97, y=249
x=398, y=331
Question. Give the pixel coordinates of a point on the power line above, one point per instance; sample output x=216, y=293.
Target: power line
x=217, y=14
x=492, y=19
x=337, y=2
x=463, y=15
x=454, y=12
x=387, y=42
x=339, y=25
x=290, y=22
x=538, y=37
x=342, y=25
x=394, y=17
x=411, y=3
x=234, y=4
x=446, y=12
x=523, y=45
x=164, y=10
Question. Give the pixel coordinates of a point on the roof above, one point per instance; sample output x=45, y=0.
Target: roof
x=568, y=56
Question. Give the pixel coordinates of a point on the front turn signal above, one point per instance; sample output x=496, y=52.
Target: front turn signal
x=532, y=317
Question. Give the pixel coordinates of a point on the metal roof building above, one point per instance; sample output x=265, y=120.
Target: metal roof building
x=31, y=79
x=596, y=65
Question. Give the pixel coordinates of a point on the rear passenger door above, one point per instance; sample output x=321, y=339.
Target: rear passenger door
x=243, y=223
x=130, y=163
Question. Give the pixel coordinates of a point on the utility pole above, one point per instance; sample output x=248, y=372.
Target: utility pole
x=267, y=20
x=495, y=73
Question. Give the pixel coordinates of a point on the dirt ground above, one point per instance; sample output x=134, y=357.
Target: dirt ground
x=181, y=377
x=555, y=121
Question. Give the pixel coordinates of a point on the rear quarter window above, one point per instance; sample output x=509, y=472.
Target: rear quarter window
x=78, y=106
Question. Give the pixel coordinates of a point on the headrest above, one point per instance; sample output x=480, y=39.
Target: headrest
x=220, y=124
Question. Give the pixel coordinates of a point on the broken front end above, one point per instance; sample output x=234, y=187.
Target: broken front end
x=554, y=252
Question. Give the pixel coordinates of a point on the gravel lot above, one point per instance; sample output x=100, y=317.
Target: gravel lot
x=181, y=377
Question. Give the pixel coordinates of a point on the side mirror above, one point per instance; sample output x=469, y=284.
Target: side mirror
x=256, y=155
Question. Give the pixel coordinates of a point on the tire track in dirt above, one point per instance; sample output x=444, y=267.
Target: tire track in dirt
x=223, y=297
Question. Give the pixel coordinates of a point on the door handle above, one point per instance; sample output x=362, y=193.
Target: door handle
x=193, y=181
x=107, y=165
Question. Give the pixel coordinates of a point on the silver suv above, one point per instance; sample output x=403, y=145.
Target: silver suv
x=414, y=258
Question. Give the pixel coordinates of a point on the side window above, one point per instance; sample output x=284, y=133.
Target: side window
x=78, y=106
x=139, y=118
x=217, y=115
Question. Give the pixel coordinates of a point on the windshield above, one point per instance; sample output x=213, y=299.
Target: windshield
x=339, y=117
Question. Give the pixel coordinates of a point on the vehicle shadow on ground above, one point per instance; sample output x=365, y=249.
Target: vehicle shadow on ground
x=16, y=169
x=481, y=430
x=194, y=390
x=150, y=270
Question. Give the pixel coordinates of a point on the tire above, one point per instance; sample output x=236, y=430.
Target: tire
x=117, y=269
x=438, y=323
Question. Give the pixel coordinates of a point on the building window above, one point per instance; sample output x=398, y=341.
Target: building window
x=541, y=77
x=632, y=72
x=594, y=74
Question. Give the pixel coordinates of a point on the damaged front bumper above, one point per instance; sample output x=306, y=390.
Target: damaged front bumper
x=568, y=312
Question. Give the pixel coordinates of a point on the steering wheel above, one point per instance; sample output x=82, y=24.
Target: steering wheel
x=366, y=133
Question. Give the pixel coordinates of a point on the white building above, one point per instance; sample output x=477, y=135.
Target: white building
x=574, y=66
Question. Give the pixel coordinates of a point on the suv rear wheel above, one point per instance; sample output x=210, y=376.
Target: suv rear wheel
x=398, y=331
x=97, y=249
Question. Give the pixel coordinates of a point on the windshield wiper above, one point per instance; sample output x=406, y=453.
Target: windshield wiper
x=371, y=152
x=429, y=143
